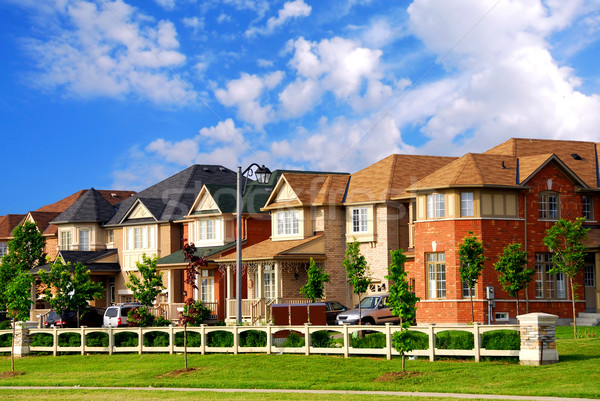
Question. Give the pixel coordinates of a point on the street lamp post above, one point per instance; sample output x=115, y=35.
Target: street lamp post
x=263, y=174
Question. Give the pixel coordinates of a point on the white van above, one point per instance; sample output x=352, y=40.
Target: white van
x=116, y=315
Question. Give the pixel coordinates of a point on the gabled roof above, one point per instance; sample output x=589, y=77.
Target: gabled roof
x=171, y=198
x=473, y=169
x=268, y=249
x=530, y=165
x=580, y=157
x=91, y=259
x=8, y=224
x=112, y=196
x=43, y=219
x=91, y=207
x=309, y=189
x=389, y=178
x=176, y=258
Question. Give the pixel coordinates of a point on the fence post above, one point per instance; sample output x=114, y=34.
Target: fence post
x=55, y=342
x=388, y=341
x=477, y=341
x=346, y=342
x=236, y=340
x=269, y=338
x=111, y=341
x=306, y=338
x=203, y=339
x=538, y=339
x=171, y=339
x=83, y=342
x=431, y=343
x=140, y=340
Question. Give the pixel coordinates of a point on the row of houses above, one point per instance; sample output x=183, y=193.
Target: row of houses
x=424, y=205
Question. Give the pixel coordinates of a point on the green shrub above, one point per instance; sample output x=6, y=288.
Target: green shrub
x=126, y=339
x=219, y=339
x=321, y=339
x=162, y=322
x=156, y=339
x=419, y=340
x=96, y=339
x=5, y=325
x=6, y=340
x=373, y=340
x=195, y=313
x=193, y=339
x=501, y=340
x=140, y=317
x=454, y=339
x=42, y=340
x=294, y=340
x=253, y=338
x=69, y=340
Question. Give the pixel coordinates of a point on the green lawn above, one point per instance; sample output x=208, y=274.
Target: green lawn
x=577, y=374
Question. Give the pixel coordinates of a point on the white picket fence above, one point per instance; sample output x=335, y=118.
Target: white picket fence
x=272, y=346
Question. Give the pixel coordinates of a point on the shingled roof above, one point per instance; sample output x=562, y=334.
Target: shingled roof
x=91, y=207
x=389, y=178
x=91, y=259
x=8, y=224
x=171, y=198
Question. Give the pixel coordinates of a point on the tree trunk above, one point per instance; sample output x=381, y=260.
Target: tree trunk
x=185, y=345
x=359, y=312
x=12, y=354
x=573, y=302
x=472, y=312
x=517, y=303
x=403, y=362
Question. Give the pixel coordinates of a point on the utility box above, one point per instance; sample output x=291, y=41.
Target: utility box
x=489, y=293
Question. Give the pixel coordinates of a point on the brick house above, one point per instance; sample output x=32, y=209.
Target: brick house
x=511, y=193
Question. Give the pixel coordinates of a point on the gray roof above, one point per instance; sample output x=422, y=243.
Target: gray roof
x=172, y=198
x=87, y=258
x=91, y=207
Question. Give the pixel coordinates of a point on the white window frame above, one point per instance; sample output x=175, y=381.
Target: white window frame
x=548, y=286
x=66, y=240
x=84, y=239
x=207, y=285
x=269, y=287
x=436, y=206
x=140, y=237
x=436, y=275
x=288, y=222
x=587, y=206
x=207, y=230
x=549, y=205
x=3, y=249
x=589, y=275
x=466, y=204
x=360, y=220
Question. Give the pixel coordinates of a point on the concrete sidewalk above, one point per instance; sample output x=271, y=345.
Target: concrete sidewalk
x=381, y=393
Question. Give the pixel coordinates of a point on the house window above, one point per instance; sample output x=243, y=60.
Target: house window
x=359, y=220
x=84, y=240
x=288, y=222
x=207, y=229
x=436, y=206
x=547, y=285
x=110, y=236
x=548, y=206
x=468, y=291
x=65, y=240
x=269, y=283
x=3, y=249
x=436, y=273
x=589, y=276
x=207, y=286
x=587, y=207
x=466, y=204
x=141, y=237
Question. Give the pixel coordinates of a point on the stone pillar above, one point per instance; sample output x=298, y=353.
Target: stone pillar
x=23, y=338
x=538, y=339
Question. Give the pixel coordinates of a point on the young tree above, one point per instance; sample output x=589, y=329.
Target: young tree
x=471, y=264
x=69, y=287
x=195, y=263
x=356, y=271
x=402, y=301
x=18, y=293
x=146, y=287
x=565, y=240
x=315, y=284
x=514, y=275
x=25, y=251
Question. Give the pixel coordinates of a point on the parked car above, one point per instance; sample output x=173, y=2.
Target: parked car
x=374, y=310
x=332, y=309
x=116, y=315
x=87, y=317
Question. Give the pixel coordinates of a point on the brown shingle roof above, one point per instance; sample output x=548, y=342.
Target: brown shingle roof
x=313, y=189
x=268, y=249
x=8, y=224
x=585, y=169
x=65, y=203
x=389, y=178
x=43, y=219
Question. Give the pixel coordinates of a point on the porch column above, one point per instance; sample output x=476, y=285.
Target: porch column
x=260, y=286
x=277, y=282
x=597, y=278
x=196, y=294
x=170, y=288
x=229, y=282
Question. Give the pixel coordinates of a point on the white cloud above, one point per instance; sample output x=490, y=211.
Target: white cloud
x=291, y=9
x=300, y=97
x=110, y=50
x=244, y=94
x=166, y=4
x=223, y=18
x=264, y=63
x=194, y=23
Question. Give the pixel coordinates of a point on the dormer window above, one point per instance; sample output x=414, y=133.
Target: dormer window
x=141, y=237
x=288, y=222
x=549, y=205
x=207, y=230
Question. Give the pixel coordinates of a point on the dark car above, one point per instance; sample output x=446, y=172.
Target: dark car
x=90, y=318
x=332, y=309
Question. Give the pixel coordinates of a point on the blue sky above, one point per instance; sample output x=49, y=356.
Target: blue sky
x=120, y=94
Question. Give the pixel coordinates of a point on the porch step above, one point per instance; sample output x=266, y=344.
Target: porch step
x=588, y=319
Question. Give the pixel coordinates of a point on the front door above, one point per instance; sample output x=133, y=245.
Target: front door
x=589, y=274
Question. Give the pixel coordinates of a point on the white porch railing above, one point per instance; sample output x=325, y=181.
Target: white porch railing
x=306, y=330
